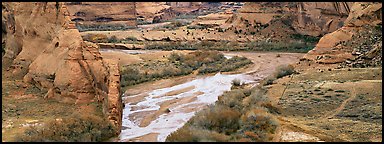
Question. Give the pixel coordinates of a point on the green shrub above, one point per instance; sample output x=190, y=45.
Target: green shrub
x=218, y=118
x=293, y=46
x=268, y=80
x=232, y=99
x=170, y=46
x=258, y=126
x=103, y=27
x=232, y=116
x=113, y=39
x=258, y=97
x=191, y=134
x=131, y=38
x=236, y=82
x=196, y=27
x=3, y=49
x=96, y=38
x=284, y=70
x=75, y=128
x=175, y=57
x=220, y=30
x=180, y=64
x=306, y=38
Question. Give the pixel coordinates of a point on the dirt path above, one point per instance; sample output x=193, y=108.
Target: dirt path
x=331, y=114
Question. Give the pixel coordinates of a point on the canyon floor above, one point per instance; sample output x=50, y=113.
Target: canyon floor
x=192, y=86
x=319, y=103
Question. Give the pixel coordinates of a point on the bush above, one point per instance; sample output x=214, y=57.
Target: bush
x=130, y=76
x=268, y=80
x=191, y=134
x=75, y=128
x=170, y=46
x=3, y=49
x=131, y=38
x=220, y=30
x=196, y=27
x=306, y=38
x=179, y=23
x=96, y=38
x=293, y=46
x=255, y=122
x=232, y=99
x=236, y=82
x=175, y=57
x=103, y=27
x=218, y=118
x=258, y=125
x=258, y=97
x=113, y=39
x=180, y=64
x=284, y=70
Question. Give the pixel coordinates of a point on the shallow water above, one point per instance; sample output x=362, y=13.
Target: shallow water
x=211, y=86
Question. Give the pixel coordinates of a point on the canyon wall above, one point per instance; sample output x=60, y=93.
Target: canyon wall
x=357, y=41
x=103, y=12
x=43, y=48
x=306, y=18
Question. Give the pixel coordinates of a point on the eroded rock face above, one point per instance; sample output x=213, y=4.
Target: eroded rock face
x=44, y=48
x=103, y=12
x=306, y=18
x=363, y=26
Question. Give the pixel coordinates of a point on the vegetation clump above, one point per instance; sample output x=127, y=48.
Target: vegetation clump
x=239, y=115
x=74, y=128
x=180, y=64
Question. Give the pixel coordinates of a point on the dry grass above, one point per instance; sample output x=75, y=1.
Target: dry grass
x=74, y=128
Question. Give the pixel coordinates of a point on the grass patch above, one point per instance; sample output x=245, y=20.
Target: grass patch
x=306, y=38
x=103, y=27
x=96, y=38
x=293, y=46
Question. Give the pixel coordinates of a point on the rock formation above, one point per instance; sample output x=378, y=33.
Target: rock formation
x=103, y=12
x=306, y=18
x=359, y=37
x=44, y=48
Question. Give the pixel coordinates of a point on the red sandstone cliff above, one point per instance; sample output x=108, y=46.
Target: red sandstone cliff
x=43, y=48
x=360, y=37
x=306, y=18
